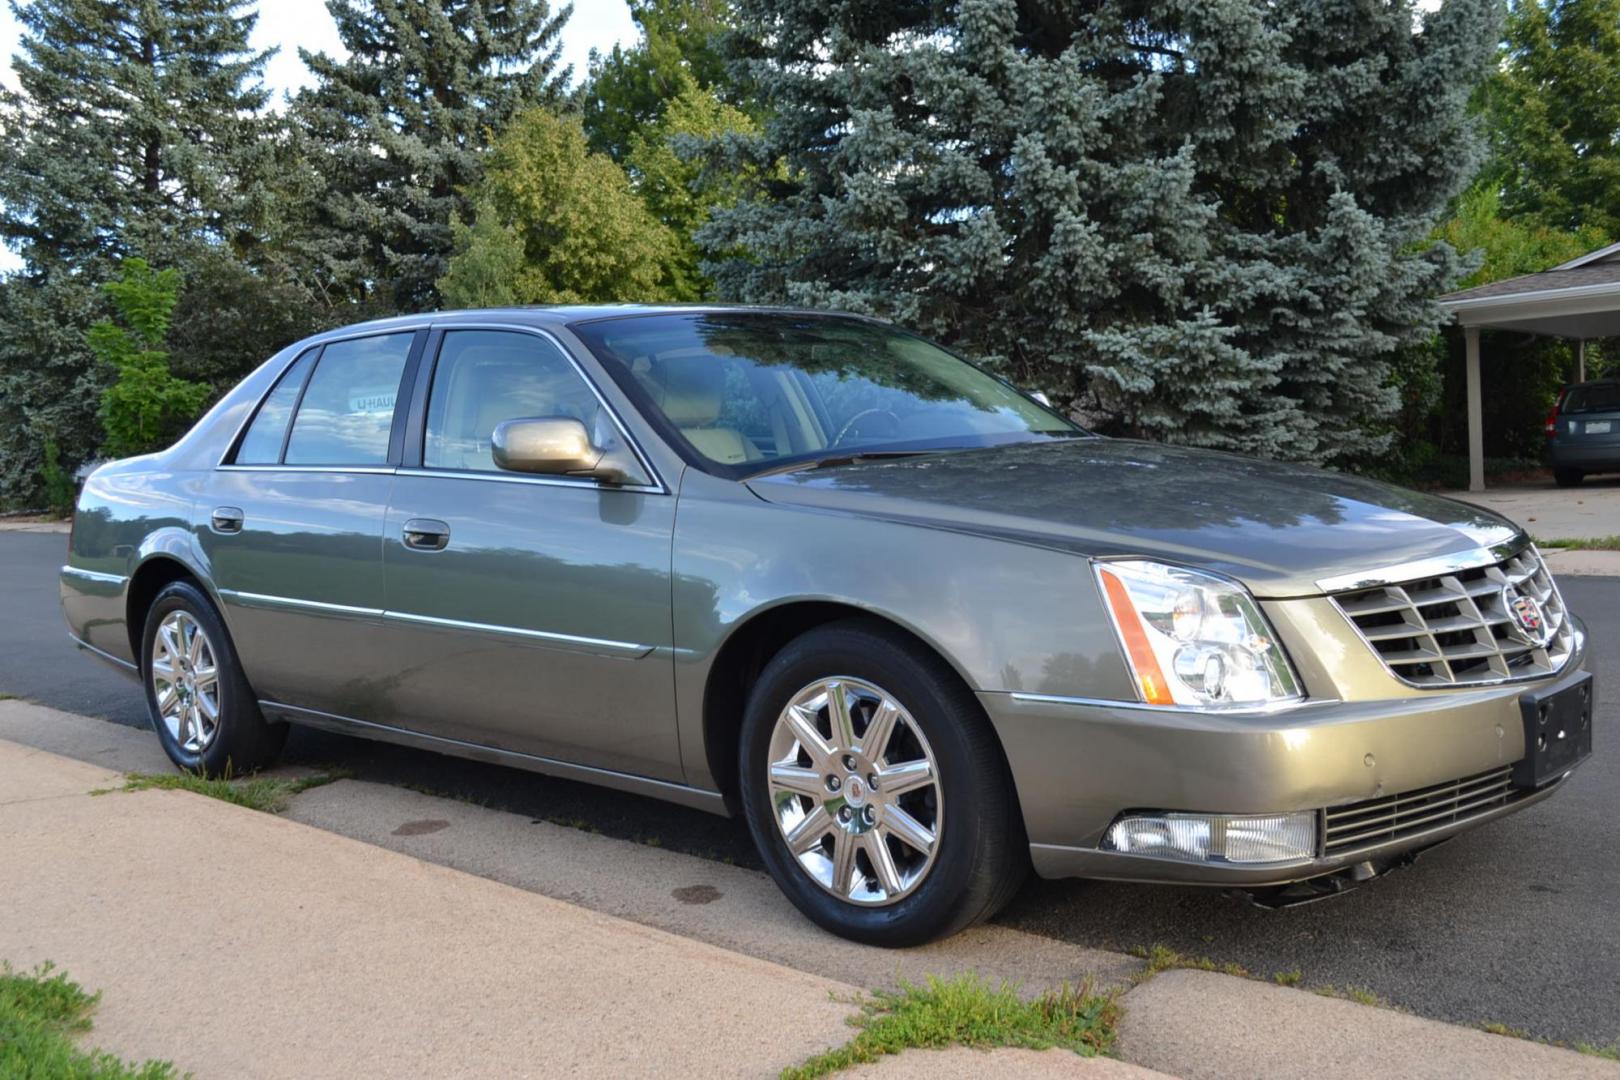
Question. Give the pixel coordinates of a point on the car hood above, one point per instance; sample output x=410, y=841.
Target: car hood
x=1278, y=528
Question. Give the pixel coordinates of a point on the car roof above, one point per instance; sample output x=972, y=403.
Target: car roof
x=561, y=314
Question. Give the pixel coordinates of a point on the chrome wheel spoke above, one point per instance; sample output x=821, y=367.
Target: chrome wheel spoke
x=807, y=833
x=843, y=727
x=166, y=698
x=803, y=726
x=878, y=854
x=843, y=862
x=899, y=779
x=208, y=706
x=906, y=829
x=799, y=780
x=875, y=740
x=205, y=678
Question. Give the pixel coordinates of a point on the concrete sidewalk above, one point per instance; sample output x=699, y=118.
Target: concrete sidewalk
x=238, y=944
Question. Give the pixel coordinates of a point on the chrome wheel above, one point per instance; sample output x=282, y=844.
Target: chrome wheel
x=185, y=682
x=855, y=791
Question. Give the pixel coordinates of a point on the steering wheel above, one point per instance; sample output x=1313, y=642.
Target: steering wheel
x=849, y=424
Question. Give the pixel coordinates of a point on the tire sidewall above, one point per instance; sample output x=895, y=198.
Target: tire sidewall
x=933, y=907
x=215, y=759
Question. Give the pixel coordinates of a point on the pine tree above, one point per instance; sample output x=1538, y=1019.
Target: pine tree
x=1198, y=222
x=402, y=125
x=133, y=131
x=128, y=129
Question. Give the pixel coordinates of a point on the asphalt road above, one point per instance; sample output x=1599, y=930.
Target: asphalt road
x=1516, y=923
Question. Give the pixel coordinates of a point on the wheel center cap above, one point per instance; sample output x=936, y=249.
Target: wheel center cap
x=855, y=791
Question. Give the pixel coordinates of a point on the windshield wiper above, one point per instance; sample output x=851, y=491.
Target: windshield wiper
x=834, y=461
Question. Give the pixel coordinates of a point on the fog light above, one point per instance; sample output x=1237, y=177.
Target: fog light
x=1258, y=838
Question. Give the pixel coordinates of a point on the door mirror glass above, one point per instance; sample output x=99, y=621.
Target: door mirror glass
x=554, y=446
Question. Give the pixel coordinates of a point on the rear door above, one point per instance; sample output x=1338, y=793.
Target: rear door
x=527, y=613
x=292, y=524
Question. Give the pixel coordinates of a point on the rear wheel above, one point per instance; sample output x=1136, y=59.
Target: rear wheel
x=205, y=714
x=1568, y=477
x=875, y=789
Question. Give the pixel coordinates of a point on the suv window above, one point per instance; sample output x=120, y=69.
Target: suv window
x=262, y=443
x=348, y=408
x=1599, y=397
x=484, y=377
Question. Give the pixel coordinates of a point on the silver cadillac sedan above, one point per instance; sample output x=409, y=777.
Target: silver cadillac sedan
x=920, y=631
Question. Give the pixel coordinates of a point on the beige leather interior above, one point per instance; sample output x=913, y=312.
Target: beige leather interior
x=691, y=392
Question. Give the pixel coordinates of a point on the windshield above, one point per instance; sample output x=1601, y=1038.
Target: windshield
x=751, y=391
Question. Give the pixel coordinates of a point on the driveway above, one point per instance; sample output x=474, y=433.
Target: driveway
x=1512, y=923
x=1588, y=512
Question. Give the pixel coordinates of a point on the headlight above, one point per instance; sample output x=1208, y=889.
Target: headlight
x=1194, y=639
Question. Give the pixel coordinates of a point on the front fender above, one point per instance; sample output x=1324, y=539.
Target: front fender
x=1007, y=616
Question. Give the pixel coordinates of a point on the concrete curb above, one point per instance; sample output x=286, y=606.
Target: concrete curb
x=1199, y=1024
x=1568, y=562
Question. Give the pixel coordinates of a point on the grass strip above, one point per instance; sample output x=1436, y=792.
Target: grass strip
x=42, y=1012
x=269, y=794
x=968, y=1011
x=1589, y=543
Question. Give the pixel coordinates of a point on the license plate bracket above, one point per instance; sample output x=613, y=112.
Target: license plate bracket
x=1557, y=730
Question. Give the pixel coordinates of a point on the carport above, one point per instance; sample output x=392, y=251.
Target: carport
x=1577, y=300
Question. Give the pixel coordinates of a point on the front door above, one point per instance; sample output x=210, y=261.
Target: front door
x=292, y=526
x=527, y=613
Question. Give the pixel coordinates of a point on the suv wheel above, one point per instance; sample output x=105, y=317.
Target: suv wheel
x=1568, y=477
x=875, y=789
x=206, y=715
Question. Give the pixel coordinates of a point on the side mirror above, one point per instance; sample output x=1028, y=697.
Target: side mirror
x=554, y=446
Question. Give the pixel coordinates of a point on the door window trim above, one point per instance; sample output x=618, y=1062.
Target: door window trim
x=396, y=433
x=415, y=436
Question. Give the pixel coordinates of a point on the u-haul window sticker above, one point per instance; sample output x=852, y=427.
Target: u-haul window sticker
x=372, y=399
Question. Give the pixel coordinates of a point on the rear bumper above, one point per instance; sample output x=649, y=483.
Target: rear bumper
x=1078, y=765
x=1574, y=456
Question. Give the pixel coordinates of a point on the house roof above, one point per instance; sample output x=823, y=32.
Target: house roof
x=1576, y=299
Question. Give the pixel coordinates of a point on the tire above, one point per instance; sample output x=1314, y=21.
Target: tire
x=1568, y=477
x=979, y=855
x=239, y=740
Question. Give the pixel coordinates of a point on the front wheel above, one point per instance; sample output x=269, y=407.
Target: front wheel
x=205, y=713
x=875, y=789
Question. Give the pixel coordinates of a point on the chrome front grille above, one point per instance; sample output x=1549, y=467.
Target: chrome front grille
x=1456, y=629
x=1378, y=821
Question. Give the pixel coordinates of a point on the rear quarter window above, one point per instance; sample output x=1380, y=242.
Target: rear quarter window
x=347, y=411
x=1603, y=398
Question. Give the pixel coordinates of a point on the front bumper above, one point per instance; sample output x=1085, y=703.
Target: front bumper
x=1077, y=765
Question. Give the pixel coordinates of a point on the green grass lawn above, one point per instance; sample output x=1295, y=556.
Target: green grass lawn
x=42, y=1013
x=967, y=1011
x=267, y=793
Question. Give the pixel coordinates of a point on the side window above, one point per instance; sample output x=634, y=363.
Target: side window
x=348, y=409
x=484, y=377
x=262, y=443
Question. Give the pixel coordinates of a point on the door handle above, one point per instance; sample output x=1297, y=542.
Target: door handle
x=227, y=519
x=426, y=534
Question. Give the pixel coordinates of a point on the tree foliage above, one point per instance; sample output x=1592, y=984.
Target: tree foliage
x=665, y=165
x=402, y=125
x=1554, y=108
x=146, y=406
x=628, y=87
x=1195, y=221
x=556, y=223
